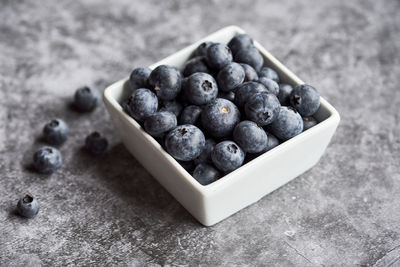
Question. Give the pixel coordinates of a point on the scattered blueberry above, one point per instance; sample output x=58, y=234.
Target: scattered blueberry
x=96, y=144
x=244, y=91
x=139, y=78
x=269, y=73
x=205, y=156
x=284, y=94
x=220, y=117
x=271, y=85
x=250, y=73
x=190, y=115
x=141, y=104
x=200, y=88
x=262, y=108
x=197, y=64
x=55, y=132
x=185, y=142
x=250, y=56
x=86, y=99
x=240, y=42
x=47, y=159
x=288, y=124
x=218, y=56
x=160, y=123
x=250, y=137
x=166, y=82
x=171, y=106
x=28, y=206
x=305, y=99
x=227, y=95
x=205, y=174
x=201, y=50
x=227, y=156
x=230, y=76
x=309, y=122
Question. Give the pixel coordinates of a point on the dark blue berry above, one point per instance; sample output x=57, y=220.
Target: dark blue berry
x=309, y=122
x=187, y=165
x=201, y=50
x=269, y=73
x=96, y=144
x=227, y=156
x=185, y=142
x=47, y=159
x=220, y=117
x=305, y=99
x=28, y=206
x=205, y=156
x=271, y=85
x=230, y=76
x=86, y=99
x=197, y=64
x=200, y=88
x=159, y=123
x=284, y=94
x=190, y=115
x=139, y=78
x=171, y=106
x=141, y=104
x=240, y=42
x=262, y=108
x=227, y=95
x=288, y=124
x=55, y=132
x=166, y=82
x=250, y=137
x=250, y=56
x=244, y=91
x=250, y=73
x=218, y=56
x=272, y=142
x=205, y=173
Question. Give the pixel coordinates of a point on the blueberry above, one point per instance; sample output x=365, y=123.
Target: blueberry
x=227, y=156
x=250, y=74
x=160, y=123
x=205, y=156
x=240, y=42
x=200, y=88
x=197, y=64
x=244, y=91
x=218, y=56
x=250, y=137
x=230, y=76
x=272, y=142
x=86, y=99
x=139, y=78
x=205, y=174
x=227, y=95
x=190, y=115
x=287, y=125
x=141, y=104
x=55, y=132
x=284, y=94
x=201, y=50
x=309, y=122
x=28, y=206
x=250, y=56
x=185, y=142
x=220, y=117
x=171, y=106
x=187, y=165
x=166, y=82
x=269, y=73
x=271, y=85
x=47, y=159
x=96, y=144
x=262, y=108
x=305, y=99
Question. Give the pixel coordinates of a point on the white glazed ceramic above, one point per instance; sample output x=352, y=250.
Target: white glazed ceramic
x=212, y=203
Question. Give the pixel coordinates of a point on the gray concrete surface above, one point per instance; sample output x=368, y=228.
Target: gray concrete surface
x=110, y=211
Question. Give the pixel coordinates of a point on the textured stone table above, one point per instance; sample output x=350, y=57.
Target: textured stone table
x=110, y=211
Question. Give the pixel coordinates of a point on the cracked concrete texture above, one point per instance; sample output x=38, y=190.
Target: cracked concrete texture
x=110, y=211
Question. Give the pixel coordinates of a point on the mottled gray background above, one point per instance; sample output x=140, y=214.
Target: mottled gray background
x=110, y=211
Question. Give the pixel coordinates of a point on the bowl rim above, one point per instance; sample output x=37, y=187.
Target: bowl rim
x=233, y=177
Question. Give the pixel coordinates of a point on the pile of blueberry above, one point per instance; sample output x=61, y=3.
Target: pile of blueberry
x=48, y=159
x=224, y=109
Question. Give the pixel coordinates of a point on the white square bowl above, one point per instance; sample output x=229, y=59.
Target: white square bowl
x=212, y=203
